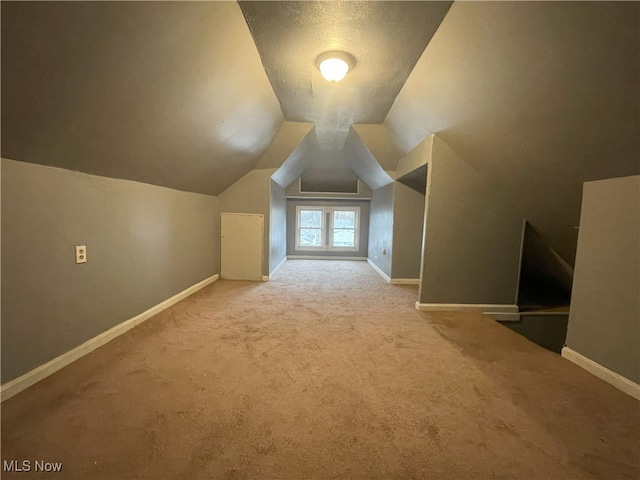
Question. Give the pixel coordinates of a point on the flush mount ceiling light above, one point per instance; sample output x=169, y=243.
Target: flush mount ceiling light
x=335, y=65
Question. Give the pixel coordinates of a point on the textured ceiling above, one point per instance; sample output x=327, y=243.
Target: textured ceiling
x=167, y=93
x=538, y=97
x=386, y=38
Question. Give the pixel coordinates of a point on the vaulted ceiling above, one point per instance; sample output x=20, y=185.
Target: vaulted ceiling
x=538, y=97
x=167, y=93
x=386, y=39
x=181, y=94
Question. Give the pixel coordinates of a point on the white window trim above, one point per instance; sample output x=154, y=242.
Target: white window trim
x=356, y=229
x=327, y=229
x=299, y=209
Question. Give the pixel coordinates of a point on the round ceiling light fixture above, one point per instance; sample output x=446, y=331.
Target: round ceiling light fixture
x=335, y=65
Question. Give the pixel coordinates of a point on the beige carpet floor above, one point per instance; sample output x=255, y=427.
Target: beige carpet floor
x=325, y=372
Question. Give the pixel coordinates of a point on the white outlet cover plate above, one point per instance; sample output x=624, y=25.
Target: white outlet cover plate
x=81, y=254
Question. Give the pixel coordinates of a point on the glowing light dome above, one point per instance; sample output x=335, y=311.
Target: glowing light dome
x=335, y=65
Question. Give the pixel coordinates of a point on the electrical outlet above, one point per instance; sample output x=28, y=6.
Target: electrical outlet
x=81, y=254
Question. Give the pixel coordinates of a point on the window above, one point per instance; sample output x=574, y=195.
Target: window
x=327, y=228
x=343, y=228
x=310, y=228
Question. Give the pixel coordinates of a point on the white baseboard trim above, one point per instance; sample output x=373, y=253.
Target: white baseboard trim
x=405, y=281
x=23, y=382
x=323, y=257
x=380, y=272
x=466, y=307
x=278, y=267
x=621, y=383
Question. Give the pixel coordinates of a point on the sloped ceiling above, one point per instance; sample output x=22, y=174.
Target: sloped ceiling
x=167, y=93
x=299, y=160
x=379, y=141
x=416, y=179
x=538, y=97
x=363, y=163
x=285, y=142
x=386, y=39
x=337, y=170
x=329, y=172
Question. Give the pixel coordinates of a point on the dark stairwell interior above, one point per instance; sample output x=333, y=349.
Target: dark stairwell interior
x=544, y=294
x=545, y=279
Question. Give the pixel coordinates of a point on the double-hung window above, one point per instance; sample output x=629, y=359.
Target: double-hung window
x=327, y=228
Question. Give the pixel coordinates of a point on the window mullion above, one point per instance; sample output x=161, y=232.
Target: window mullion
x=328, y=237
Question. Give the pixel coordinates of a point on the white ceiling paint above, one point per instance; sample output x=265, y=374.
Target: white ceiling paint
x=166, y=93
x=537, y=97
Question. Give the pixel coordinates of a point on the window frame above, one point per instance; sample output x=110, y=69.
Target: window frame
x=299, y=210
x=356, y=229
x=327, y=228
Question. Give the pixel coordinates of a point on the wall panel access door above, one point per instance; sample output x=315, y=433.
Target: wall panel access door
x=241, y=236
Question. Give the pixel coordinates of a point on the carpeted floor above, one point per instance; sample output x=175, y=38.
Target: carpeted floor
x=324, y=372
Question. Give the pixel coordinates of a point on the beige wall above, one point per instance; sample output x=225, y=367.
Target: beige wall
x=144, y=244
x=604, y=320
